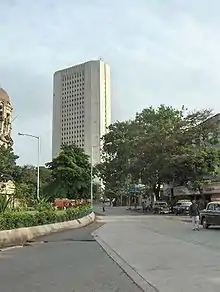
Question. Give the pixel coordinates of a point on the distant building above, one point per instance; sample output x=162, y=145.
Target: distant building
x=81, y=107
x=5, y=119
x=6, y=187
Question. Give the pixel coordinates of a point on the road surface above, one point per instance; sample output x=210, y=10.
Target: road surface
x=164, y=251
x=70, y=261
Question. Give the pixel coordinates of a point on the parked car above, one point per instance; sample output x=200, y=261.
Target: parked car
x=161, y=207
x=182, y=207
x=210, y=215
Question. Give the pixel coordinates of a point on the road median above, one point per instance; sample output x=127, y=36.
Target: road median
x=19, y=236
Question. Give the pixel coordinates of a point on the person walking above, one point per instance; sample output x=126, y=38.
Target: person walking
x=194, y=214
x=143, y=205
x=103, y=206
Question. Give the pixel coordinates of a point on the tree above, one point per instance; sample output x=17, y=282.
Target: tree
x=196, y=166
x=175, y=145
x=7, y=163
x=26, y=179
x=25, y=194
x=70, y=172
x=97, y=191
x=162, y=145
x=115, y=167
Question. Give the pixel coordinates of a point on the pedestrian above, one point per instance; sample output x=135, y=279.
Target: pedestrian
x=194, y=214
x=103, y=206
x=143, y=205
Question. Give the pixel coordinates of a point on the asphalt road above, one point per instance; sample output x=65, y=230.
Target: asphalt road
x=165, y=251
x=114, y=211
x=69, y=262
x=208, y=238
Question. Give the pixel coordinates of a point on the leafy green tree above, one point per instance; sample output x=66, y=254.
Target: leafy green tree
x=175, y=142
x=161, y=145
x=70, y=172
x=7, y=163
x=26, y=179
x=114, y=169
x=25, y=194
x=97, y=191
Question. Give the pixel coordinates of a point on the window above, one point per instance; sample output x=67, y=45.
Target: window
x=217, y=207
x=210, y=207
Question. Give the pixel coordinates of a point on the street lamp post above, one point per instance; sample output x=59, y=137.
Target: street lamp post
x=91, y=178
x=38, y=160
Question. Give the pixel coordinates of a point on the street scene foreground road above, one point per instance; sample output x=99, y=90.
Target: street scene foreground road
x=161, y=253
x=69, y=262
x=165, y=251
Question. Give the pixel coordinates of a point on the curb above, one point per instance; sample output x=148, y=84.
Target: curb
x=21, y=235
x=143, y=284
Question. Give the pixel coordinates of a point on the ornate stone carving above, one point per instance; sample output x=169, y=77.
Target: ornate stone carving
x=5, y=119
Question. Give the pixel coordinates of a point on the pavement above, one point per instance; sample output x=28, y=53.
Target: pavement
x=67, y=261
x=162, y=253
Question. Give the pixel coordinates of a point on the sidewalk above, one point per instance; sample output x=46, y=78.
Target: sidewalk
x=160, y=261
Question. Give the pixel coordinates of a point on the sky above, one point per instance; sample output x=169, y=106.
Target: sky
x=159, y=51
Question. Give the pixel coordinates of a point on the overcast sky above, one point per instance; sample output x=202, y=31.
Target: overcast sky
x=160, y=51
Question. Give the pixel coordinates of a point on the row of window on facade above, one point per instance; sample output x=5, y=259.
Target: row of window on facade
x=78, y=143
x=69, y=120
x=70, y=90
x=72, y=98
x=73, y=138
x=75, y=118
x=73, y=101
x=77, y=113
x=72, y=132
x=73, y=75
x=74, y=83
x=77, y=129
x=73, y=107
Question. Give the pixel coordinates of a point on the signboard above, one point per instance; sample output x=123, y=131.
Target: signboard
x=183, y=191
x=215, y=198
x=213, y=188
x=132, y=190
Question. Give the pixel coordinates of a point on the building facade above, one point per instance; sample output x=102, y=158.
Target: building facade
x=81, y=107
x=5, y=119
x=7, y=187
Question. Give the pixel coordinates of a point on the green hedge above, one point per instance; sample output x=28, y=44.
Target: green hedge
x=12, y=220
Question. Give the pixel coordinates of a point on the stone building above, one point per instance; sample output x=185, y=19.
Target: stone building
x=5, y=119
x=6, y=188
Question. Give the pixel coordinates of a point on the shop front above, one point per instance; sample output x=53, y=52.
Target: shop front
x=212, y=191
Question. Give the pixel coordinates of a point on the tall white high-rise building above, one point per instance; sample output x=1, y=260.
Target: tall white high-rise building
x=81, y=107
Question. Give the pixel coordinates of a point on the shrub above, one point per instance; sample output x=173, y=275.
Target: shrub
x=4, y=202
x=12, y=220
